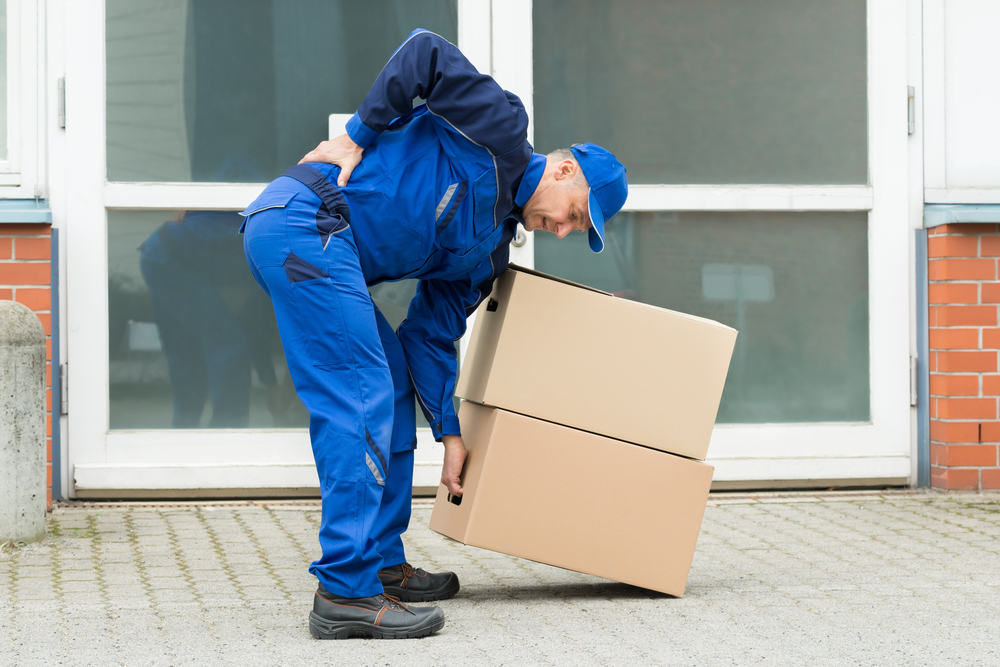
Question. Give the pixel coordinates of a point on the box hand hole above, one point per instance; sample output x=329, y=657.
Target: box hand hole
x=491, y=305
x=454, y=500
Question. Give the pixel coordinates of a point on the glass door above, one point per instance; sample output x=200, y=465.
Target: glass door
x=182, y=110
x=765, y=148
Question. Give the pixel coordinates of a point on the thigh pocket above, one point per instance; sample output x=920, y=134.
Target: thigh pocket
x=320, y=310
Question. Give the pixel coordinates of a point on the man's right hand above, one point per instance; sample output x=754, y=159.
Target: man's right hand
x=454, y=459
x=341, y=151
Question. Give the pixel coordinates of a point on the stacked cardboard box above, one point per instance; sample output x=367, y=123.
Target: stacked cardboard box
x=587, y=418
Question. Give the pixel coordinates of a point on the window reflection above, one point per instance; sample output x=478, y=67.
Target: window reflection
x=193, y=339
x=206, y=310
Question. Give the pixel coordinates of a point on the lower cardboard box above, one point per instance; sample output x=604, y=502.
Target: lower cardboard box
x=576, y=500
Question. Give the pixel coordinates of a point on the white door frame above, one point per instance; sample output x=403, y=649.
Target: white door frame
x=130, y=463
x=880, y=449
x=103, y=461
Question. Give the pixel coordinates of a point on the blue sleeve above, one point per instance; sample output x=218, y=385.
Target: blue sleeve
x=430, y=67
x=434, y=323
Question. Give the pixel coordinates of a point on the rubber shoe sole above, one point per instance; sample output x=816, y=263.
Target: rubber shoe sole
x=321, y=628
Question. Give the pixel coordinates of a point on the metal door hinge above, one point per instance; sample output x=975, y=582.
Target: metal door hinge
x=913, y=381
x=64, y=389
x=911, y=109
x=61, y=101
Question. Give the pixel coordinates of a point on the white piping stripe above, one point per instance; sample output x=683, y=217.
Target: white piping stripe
x=374, y=469
x=443, y=204
x=417, y=392
x=592, y=225
x=258, y=210
x=400, y=48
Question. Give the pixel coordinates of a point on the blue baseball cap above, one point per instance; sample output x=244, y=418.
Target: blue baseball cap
x=608, y=188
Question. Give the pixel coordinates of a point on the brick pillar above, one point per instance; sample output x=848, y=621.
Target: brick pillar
x=964, y=297
x=25, y=277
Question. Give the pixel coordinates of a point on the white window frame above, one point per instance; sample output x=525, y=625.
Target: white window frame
x=878, y=450
x=123, y=463
x=937, y=189
x=20, y=172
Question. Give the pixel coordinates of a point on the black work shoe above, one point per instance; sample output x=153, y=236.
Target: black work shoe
x=415, y=585
x=378, y=617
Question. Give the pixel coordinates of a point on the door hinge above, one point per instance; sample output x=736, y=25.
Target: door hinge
x=911, y=109
x=64, y=389
x=61, y=101
x=913, y=381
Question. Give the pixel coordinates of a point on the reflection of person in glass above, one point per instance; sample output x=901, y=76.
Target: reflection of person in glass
x=206, y=307
x=435, y=193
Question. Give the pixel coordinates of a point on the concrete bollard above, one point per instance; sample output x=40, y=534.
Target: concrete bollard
x=22, y=424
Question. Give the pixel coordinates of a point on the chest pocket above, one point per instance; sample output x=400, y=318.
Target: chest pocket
x=484, y=195
x=448, y=206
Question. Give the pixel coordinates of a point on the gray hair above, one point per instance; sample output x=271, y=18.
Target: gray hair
x=560, y=154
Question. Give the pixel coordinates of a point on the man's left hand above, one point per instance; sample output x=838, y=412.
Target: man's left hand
x=454, y=460
x=341, y=151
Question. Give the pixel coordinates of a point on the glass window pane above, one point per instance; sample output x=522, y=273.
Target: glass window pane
x=193, y=339
x=239, y=90
x=795, y=285
x=3, y=79
x=722, y=91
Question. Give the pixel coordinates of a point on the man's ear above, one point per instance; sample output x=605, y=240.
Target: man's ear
x=564, y=169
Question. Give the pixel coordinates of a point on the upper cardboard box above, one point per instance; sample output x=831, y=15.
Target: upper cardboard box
x=576, y=356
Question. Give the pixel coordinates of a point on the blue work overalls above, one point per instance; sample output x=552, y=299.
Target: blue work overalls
x=431, y=199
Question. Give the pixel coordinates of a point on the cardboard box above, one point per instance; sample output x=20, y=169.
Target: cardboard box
x=576, y=500
x=573, y=355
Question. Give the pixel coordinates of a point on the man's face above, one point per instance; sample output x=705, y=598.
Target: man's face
x=556, y=205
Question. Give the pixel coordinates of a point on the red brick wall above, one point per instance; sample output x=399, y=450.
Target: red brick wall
x=25, y=277
x=964, y=297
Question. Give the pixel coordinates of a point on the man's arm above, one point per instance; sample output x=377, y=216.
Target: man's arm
x=430, y=67
x=435, y=320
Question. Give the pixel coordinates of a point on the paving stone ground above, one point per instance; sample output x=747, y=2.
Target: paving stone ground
x=778, y=579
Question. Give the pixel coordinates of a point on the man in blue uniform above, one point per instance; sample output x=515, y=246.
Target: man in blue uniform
x=435, y=193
